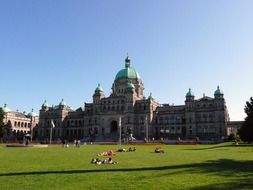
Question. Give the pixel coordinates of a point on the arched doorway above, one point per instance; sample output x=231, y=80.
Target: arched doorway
x=114, y=126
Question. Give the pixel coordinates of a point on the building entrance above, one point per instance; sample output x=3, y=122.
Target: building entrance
x=114, y=126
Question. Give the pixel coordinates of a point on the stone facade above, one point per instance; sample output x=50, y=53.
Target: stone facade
x=140, y=117
x=18, y=124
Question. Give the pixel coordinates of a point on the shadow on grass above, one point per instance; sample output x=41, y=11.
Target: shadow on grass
x=222, y=146
x=242, y=184
x=225, y=167
x=214, y=147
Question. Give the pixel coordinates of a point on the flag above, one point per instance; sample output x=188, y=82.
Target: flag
x=52, y=124
x=120, y=121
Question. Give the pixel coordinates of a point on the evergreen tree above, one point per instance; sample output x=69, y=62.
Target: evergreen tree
x=1, y=122
x=246, y=131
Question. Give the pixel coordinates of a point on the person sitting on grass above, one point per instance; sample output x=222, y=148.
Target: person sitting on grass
x=159, y=150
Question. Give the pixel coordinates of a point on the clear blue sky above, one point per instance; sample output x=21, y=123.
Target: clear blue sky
x=62, y=49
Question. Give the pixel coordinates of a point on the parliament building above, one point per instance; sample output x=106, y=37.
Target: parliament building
x=126, y=112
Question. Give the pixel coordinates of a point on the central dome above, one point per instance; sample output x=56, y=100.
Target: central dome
x=127, y=72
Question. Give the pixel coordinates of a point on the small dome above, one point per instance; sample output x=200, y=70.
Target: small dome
x=62, y=103
x=130, y=85
x=32, y=114
x=6, y=109
x=128, y=72
x=99, y=89
x=45, y=104
x=218, y=91
x=189, y=93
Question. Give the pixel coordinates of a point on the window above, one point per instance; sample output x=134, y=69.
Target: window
x=141, y=120
x=96, y=130
x=161, y=120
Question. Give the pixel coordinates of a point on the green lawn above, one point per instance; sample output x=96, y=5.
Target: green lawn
x=181, y=167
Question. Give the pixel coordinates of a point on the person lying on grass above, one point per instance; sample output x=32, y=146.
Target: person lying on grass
x=108, y=153
x=159, y=150
x=109, y=161
x=97, y=161
x=130, y=149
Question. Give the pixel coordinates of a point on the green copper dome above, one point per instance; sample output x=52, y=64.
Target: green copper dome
x=62, y=103
x=218, y=91
x=128, y=72
x=6, y=109
x=130, y=85
x=32, y=114
x=99, y=89
x=189, y=93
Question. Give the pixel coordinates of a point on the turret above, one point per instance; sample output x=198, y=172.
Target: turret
x=32, y=114
x=189, y=95
x=218, y=93
x=98, y=94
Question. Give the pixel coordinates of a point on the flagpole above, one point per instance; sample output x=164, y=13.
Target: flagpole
x=51, y=135
x=147, y=128
x=51, y=131
x=120, y=130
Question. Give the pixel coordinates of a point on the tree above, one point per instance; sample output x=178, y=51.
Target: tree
x=1, y=122
x=246, y=131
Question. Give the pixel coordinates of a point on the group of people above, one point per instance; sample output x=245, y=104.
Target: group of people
x=97, y=161
x=65, y=143
x=130, y=149
x=77, y=143
x=110, y=154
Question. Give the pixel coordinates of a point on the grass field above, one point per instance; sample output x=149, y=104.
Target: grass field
x=215, y=167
